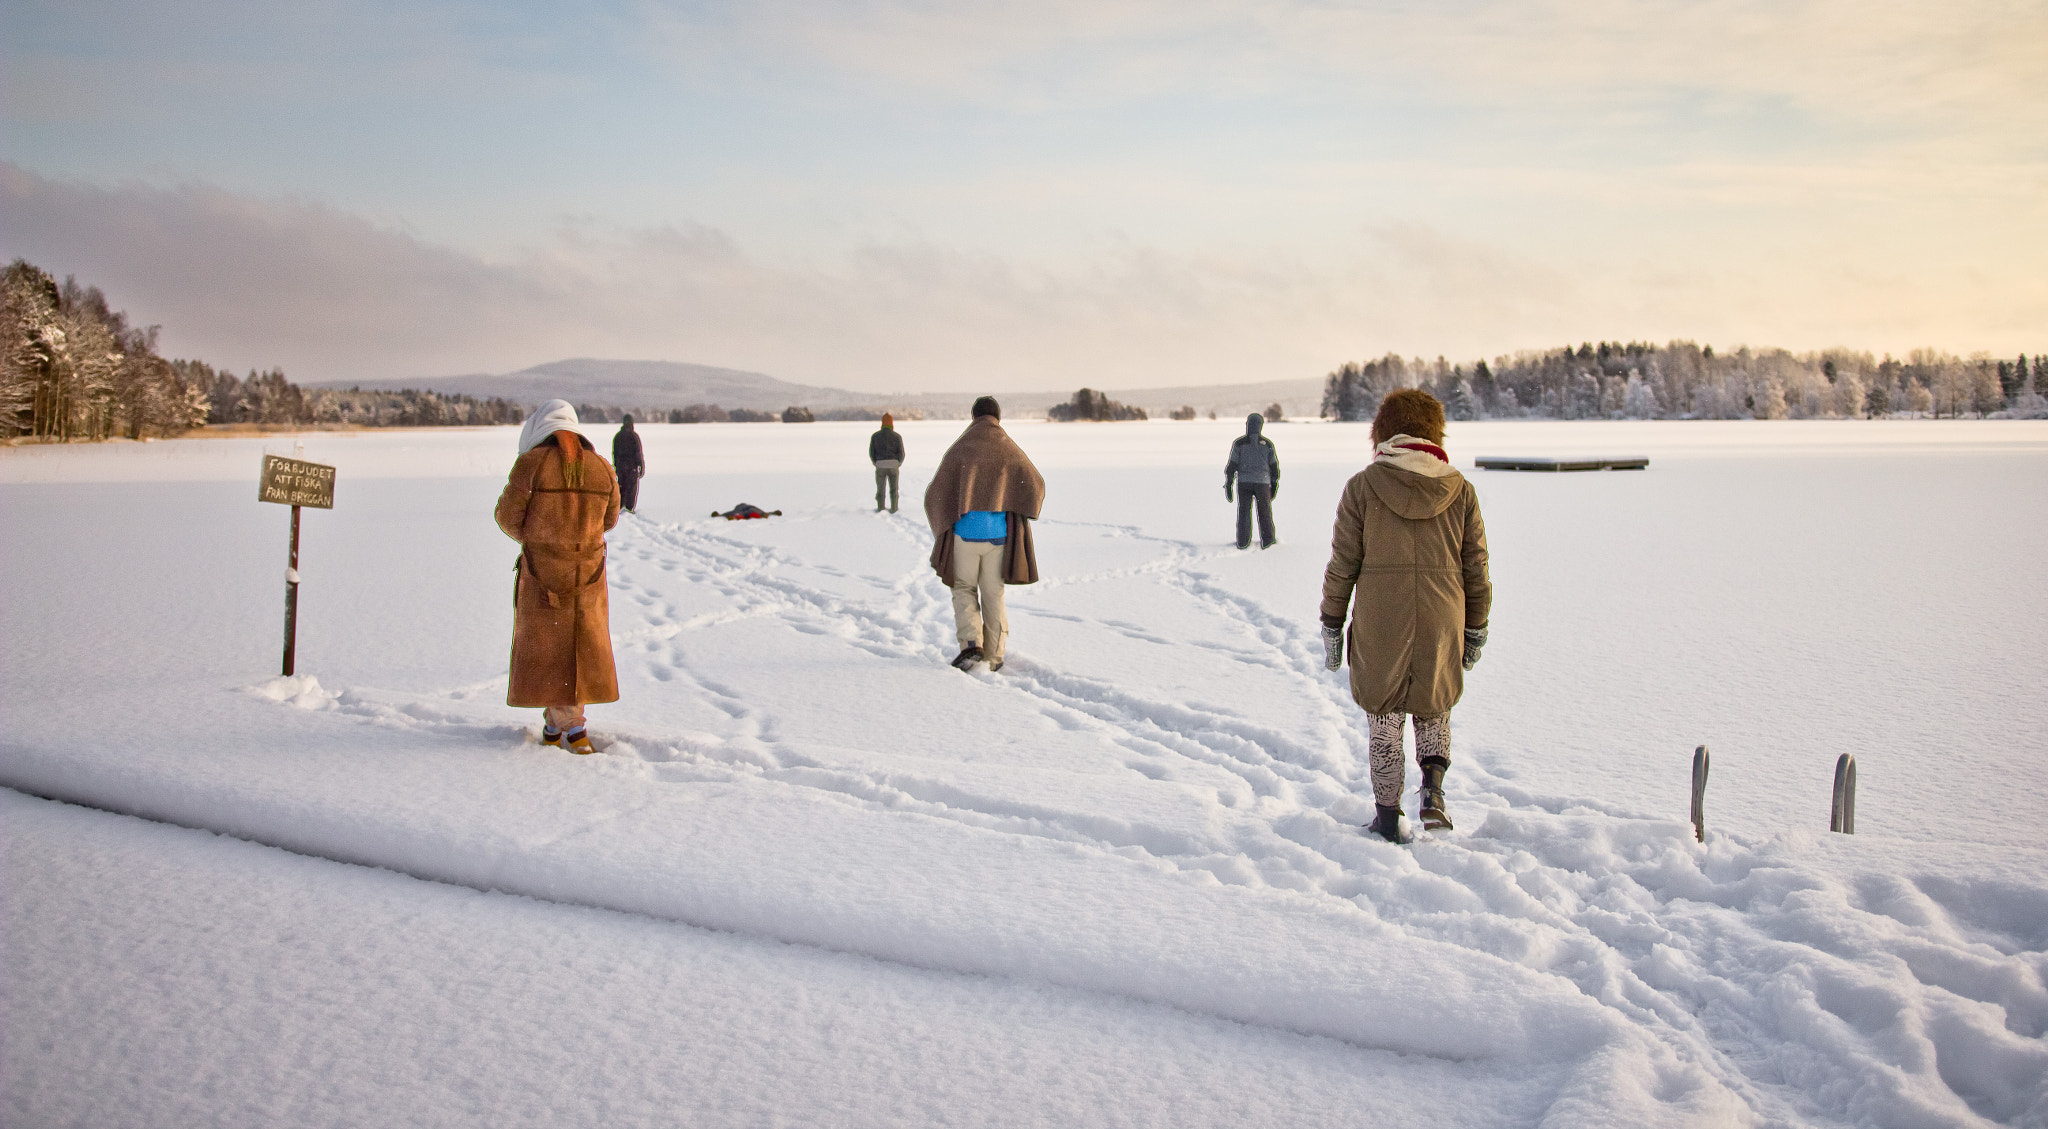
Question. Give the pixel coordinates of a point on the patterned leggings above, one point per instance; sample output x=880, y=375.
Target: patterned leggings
x=1432, y=746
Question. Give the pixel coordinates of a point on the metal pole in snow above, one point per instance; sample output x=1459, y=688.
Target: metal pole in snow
x=1843, y=818
x=291, y=597
x=1699, y=793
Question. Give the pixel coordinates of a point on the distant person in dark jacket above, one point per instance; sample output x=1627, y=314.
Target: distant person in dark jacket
x=628, y=461
x=885, y=450
x=1255, y=466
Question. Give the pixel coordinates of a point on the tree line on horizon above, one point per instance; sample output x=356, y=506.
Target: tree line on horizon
x=1683, y=380
x=74, y=368
x=1088, y=404
x=712, y=413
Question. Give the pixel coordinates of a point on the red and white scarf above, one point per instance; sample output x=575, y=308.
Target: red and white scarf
x=1418, y=456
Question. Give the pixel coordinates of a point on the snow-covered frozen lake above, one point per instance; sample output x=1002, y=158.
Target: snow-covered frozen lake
x=816, y=876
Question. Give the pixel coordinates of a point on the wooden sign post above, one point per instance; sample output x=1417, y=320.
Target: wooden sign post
x=294, y=483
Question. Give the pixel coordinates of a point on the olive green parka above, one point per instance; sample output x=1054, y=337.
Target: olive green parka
x=1412, y=548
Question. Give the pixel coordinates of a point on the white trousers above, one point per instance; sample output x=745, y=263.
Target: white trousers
x=979, y=622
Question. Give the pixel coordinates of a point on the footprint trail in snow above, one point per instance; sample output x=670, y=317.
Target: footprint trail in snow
x=1152, y=710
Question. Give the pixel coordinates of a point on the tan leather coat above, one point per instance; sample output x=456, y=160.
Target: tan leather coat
x=561, y=620
x=1413, y=549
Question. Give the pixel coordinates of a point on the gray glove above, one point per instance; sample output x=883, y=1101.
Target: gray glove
x=1333, y=648
x=1475, y=638
x=1226, y=493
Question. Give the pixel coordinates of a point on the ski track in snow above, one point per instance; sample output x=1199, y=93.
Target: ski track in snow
x=1738, y=962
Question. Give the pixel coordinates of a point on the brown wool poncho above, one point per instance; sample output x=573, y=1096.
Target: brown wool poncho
x=985, y=470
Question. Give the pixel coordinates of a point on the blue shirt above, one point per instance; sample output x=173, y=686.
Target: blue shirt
x=983, y=525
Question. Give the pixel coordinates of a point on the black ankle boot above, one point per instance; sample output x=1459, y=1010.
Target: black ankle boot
x=1390, y=824
x=1435, y=817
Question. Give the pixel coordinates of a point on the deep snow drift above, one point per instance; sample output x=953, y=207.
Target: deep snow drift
x=818, y=876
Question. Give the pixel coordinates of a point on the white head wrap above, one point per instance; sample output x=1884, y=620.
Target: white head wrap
x=553, y=416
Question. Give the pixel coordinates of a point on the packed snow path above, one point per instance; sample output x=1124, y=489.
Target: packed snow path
x=1157, y=800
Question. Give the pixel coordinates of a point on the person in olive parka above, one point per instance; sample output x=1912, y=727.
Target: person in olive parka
x=1409, y=543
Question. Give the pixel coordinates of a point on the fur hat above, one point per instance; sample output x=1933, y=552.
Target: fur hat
x=1410, y=411
x=987, y=406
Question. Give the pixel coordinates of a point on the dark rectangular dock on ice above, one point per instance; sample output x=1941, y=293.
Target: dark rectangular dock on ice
x=1504, y=462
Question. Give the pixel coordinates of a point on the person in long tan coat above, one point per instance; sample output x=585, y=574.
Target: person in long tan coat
x=1409, y=543
x=980, y=505
x=559, y=502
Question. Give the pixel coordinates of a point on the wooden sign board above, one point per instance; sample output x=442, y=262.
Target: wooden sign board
x=292, y=482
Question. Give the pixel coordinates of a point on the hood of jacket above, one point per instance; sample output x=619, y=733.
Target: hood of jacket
x=1413, y=495
x=553, y=416
x=1253, y=423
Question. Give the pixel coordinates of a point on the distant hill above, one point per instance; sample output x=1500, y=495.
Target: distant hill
x=661, y=385
x=634, y=383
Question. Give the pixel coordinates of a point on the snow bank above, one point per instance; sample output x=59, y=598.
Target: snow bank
x=796, y=866
x=300, y=690
x=183, y=978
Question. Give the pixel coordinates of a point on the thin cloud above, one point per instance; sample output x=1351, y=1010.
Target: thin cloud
x=1980, y=67
x=329, y=295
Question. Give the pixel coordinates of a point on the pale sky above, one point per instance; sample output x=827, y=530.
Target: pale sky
x=1029, y=193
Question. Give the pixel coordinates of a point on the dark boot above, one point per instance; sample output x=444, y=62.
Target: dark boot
x=1391, y=825
x=1435, y=817
x=967, y=657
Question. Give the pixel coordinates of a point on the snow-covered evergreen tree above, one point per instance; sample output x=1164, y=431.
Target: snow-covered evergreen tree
x=1638, y=399
x=1768, y=401
x=1462, y=404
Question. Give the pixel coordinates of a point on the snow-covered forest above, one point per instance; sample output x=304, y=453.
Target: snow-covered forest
x=1683, y=380
x=71, y=367
x=75, y=368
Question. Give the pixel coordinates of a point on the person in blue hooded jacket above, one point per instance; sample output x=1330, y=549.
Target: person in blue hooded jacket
x=1255, y=467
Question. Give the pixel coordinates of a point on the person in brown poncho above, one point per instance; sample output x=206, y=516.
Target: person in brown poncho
x=561, y=499
x=980, y=505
